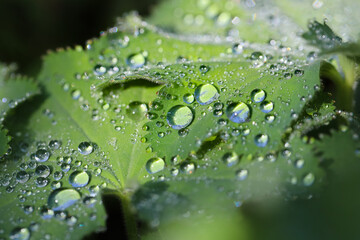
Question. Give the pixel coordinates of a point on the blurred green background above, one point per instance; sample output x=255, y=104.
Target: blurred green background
x=30, y=27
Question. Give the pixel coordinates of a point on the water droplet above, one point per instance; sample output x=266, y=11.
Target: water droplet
x=308, y=179
x=188, y=167
x=54, y=144
x=136, y=60
x=238, y=112
x=299, y=163
x=75, y=94
x=41, y=182
x=258, y=95
x=155, y=165
x=20, y=234
x=42, y=155
x=267, y=106
x=136, y=110
x=188, y=98
x=85, y=148
x=60, y=199
x=261, y=140
x=79, y=179
x=206, y=94
x=22, y=177
x=204, y=69
x=230, y=159
x=42, y=171
x=241, y=174
x=179, y=117
x=237, y=48
x=99, y=70
x=269, y=118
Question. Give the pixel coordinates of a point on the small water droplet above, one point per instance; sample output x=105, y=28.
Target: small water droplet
x=187, y=167
x=308, y=179
x=22, y=177
x=204, y=69
x=188, y=98
x=261, y=140
x=42, y=171
x=230, y=159
x=136, y=110
x=20, y=234
x=241, y=174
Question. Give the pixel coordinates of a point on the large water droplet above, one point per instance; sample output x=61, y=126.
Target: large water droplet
x=136, y=60
x=85, y=148
x=20, y=234
x=42, y=155
x=136, y=110
x=261, y=140
x=179, y=117
x=258, y=95
x=267, y=106
x=61, y=199
x=238, y=112
x=230, y=159
x=206, y=94
x=79, y=179
x=155, y=165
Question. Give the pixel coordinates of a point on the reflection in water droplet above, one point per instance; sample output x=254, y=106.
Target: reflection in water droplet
x=241, y=174
x=308, y=179
x=206, y=94
x=20, y=234
x=42, y=171
x=204, y=69
x=187, y=167
x=230, y=159
x=188, y=98
x=267, y=106
x=85, y=148
x=22, y=177
x=261, y=140
x=155, y=165
x=79, y=179
x=238, y=112
x=179, y=117
x=136, y=110
x=258, y=95
x=42, y=155
x=136, y=60
x=237, y=48
x=61, y=199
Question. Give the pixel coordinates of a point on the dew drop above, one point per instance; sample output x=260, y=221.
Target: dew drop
x=42, y=171
x=179, y=117
x=155, y=165
x=85, y=148
x=60, y=199
x=261, y=140
x=188, y=98
x=267, y=106
x=258, y=95
x=308, y=179
x=79, y=179
x=241, y=174
x=136, y=60
x=238, y=112
x=230, y=159
x=136, y=110
x=42, y=155
x=20, y=234
x=206, y=94
x=22, y=177
x=188, y=167
x=237, y=48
